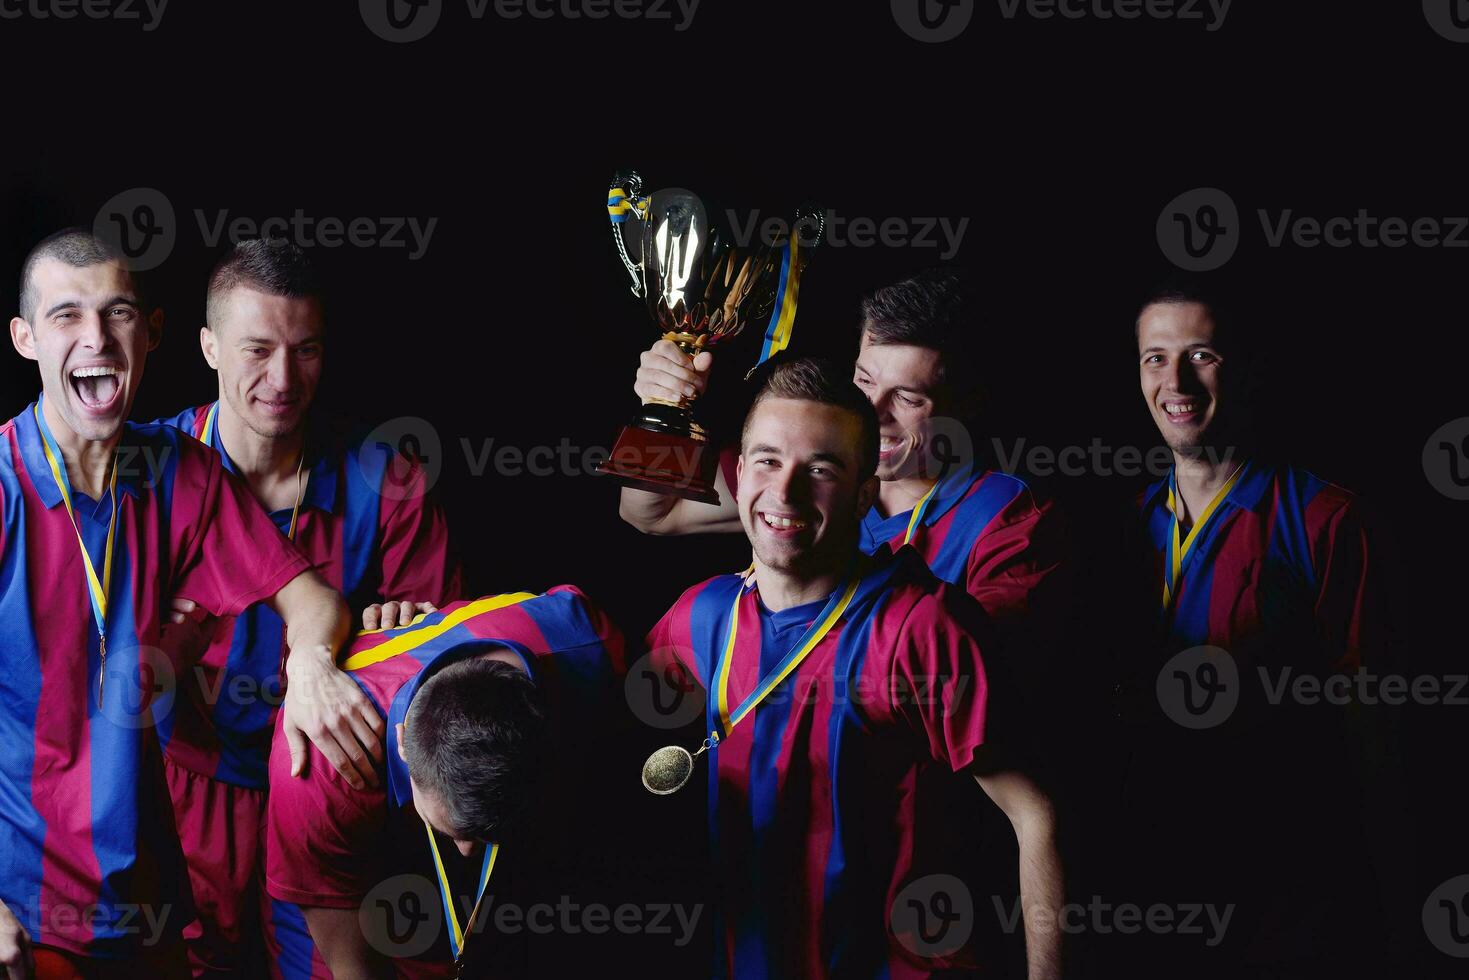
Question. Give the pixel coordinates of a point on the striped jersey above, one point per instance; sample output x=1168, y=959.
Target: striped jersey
x=369, y=527
x=331, y=846
x=86, y=832
x=824, y=801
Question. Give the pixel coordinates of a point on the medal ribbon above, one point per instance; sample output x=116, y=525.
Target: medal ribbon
x=1178, y=553
x=829, y=617
x=919, y=511
x=96, y=589
x=783, y=316
x=208, y=433
x=456, y=934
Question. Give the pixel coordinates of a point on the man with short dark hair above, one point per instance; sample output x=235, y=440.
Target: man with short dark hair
x=1257, y=572
x=473, y=696
x=361, y=514
x=844, y=692
x=917, y=362
x=102, y=522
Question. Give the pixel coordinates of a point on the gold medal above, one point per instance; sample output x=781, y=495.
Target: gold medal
x=668, y=770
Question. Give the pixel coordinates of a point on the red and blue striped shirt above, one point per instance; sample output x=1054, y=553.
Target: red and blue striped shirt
x=371, y=545
x=86, y=839
x=329, y=845
x=1280, y=571
x=823, y=802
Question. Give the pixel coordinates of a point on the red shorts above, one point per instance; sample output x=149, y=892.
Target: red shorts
x=221, y=827
x=168, y=962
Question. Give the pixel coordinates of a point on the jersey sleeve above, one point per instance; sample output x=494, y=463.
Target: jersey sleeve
x=417, y=563
x=938, y=687
x=1016, y=568
x=230, y=553
x=1347, y=605
x=670, y=643
x=323, y=838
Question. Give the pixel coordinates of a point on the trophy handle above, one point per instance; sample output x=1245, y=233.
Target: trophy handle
x=624, y=199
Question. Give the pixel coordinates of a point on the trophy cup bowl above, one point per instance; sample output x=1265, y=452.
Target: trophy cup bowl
x=701, y=288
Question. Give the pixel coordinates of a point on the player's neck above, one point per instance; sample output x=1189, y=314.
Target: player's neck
x=1200, y=476
x=87, y=461
x=899, y=496
x=266, y=462
x=783, y=589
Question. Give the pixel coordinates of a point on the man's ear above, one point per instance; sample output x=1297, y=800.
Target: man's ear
x=867, y=495
x=209, y=344
x=155, y=328
x=398, y=731
x=24, y=338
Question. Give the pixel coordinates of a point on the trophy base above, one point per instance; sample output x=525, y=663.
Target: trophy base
x=662, y=462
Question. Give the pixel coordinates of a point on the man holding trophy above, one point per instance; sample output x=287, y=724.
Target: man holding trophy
x=846, y=694
x=985, y=530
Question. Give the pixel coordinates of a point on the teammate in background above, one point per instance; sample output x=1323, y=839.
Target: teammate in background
x=1267, y=568
x=103, y=521
x=976, y=527
x=360, y=515
x=474, y=696
x=843, y=691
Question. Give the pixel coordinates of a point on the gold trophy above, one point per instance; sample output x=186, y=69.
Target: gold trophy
x=701, y=287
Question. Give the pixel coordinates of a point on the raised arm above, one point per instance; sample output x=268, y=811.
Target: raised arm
x=668, y=374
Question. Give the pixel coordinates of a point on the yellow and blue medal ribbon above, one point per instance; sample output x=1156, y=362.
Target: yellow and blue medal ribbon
x=207, y=435
x=209, y=416
x=1178, y=551
x=783, y=316
x=97, y=589
x=456, y=932
x=835, y=607
x=919, y=511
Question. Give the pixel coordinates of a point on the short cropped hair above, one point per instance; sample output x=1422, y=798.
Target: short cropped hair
x=78, y=248
x=818, y=380
x=476, y=737
x=268, y=265
x=936, y=309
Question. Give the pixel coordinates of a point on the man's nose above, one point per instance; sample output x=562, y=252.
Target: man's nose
x=280, y=370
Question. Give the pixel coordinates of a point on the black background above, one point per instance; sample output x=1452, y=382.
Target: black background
x=1061, y=141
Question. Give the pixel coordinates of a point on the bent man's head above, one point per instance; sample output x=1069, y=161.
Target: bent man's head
x=84, y=321
x=475, y=740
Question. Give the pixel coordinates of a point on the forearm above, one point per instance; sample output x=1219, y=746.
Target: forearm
x=1042, y=892
x=316, y=616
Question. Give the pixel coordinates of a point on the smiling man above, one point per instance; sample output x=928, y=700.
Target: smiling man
x=844, y=693
x=474, y=696
x=1266, y=567
x=360, y=514
x=102, y=522
x=975, y=527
